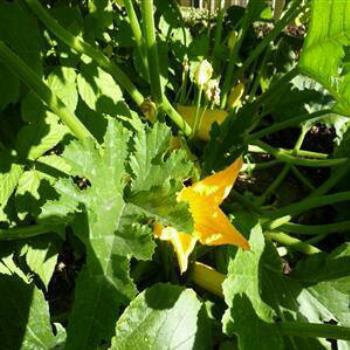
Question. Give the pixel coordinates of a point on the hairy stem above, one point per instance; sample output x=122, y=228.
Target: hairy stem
x=82, y=47
x=310, y=203
x=152, y=50
x=23, y=232
x=32, y=80
x=287, y=157
x=292, y=243
x=288, y=123
x=342, y=226
x=136, y=29
x=313, y=330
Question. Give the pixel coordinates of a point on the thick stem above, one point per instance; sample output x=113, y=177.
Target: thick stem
x=342, y=226
x=292, y=243
x=24, y=232
x=152, y=50
x=313, y=330
x=310, y=203
x=136, y=29
x=198, y=112
x=287, y=123
x=307, y=184
x=79, y=45
x=259, y=166
x=287, y=157
x=31, y=79
x=121, y=78
x=174, y=115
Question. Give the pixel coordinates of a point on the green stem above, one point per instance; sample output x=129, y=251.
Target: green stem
x=79, y=45
x=258, y=75
x=245, y=202
x=254, y=148
x=32, y=80
x=174, y=115
x=152, y=50
x=218, y=35
x=289, y=15
x=24, y=232
x=287, y=123
x=274, y=185
x=228, y=81
x=292, y=243
x=307, y=184
x=332, y=181
x=259, y=166
x=313, y=330
x=310, y=203
x=184, y=81
x=136, y=29
x=198, y=111
x=282, y=175
x=287, y=157
x=342, y=226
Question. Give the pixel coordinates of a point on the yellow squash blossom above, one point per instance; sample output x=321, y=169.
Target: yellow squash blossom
x=209, y=117
x=211, y=225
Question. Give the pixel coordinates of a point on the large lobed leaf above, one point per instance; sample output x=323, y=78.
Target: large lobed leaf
x=111, y=223
x=324, y=54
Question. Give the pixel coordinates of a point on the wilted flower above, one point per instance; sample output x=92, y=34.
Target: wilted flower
x=203, y=73
x=212, y=91
x=149, y=109
x=211, y=225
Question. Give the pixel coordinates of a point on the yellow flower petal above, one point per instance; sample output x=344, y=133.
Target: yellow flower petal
x=211, y=225
x=183, y=243
x=216, y=186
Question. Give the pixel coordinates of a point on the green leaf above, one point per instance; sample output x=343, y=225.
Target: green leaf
x=9, y=92
x=158, y=176
x=326, y=280
x=163, y=317
x=99, y=90
x=40, y=256
x=104, y=283
x=259, y=294
x=253, y=332
x=244, y=278
x=324, y=49
x=35, y=185
x=10, y=173
x=62, y=82
x=111, y=227
x=24, y=317
x=36, y=139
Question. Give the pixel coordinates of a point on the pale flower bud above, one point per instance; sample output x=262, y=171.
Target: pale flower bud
x=203, y=73
x=232, y=39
